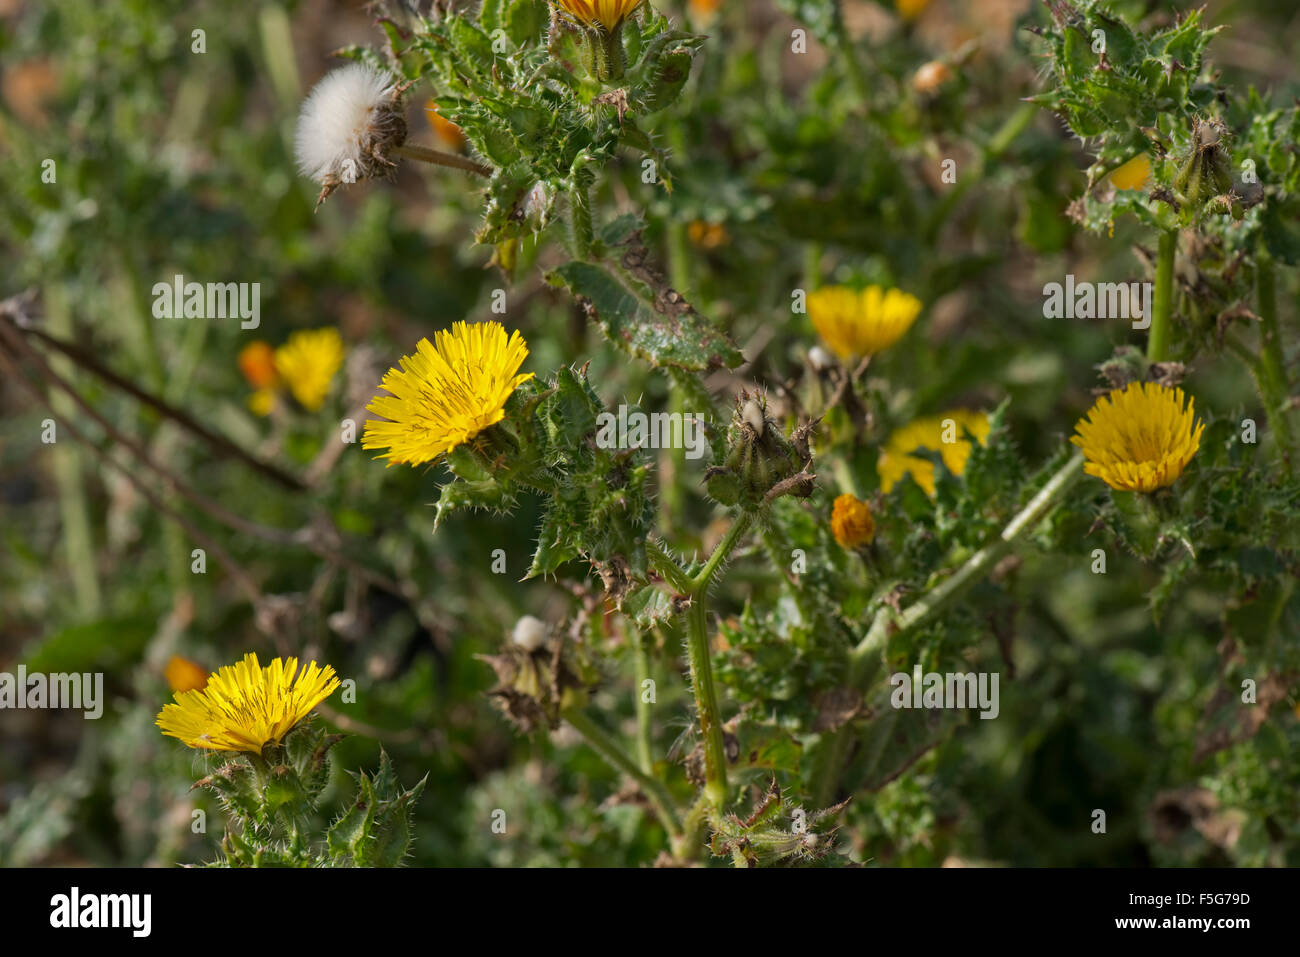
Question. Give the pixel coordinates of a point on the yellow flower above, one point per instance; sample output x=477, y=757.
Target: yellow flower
x=704, y=9
x=910, y=9
x=1135, y=174
x=861, y=323
x=1139, y=438
x=851, y=522
x=307, y=363
x=444, y=130
x=245, y=706
x=929, y=433
x=610, y=14
x=446, y=393
x=262, y=402
x=708, y=235
x=185, y=675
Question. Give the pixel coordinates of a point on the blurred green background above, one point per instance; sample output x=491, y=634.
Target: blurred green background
x=170, y=161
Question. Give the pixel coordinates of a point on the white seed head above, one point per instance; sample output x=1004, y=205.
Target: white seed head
x=530, y=633
x=348, y=124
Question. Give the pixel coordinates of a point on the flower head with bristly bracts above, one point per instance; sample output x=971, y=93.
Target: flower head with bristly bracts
x=447, y=393
x=857, y=323
x=930, y=433
x=350, y=124
x=245, y=707
x=608, y=14
x=1139, y=438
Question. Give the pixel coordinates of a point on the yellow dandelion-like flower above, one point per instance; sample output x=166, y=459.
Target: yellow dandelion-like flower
x=257, y=363
x=447, y=393
x=245, y=707
x=444, y=130
x=185, y=675
x=708, y=235
x=262, y=402
x=851, y=522
x=910, y=9
x=609, y=14
x=1135, y=174
x=704, y=9
x=1139, y=438
x=307, y=363
x=896, y=458
x=861, y=322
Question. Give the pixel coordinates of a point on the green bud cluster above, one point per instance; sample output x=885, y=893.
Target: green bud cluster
x=761, y=464
x=272, y=801
x=1204, y=174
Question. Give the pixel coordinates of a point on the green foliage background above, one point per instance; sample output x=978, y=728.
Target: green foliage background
x=818, y=168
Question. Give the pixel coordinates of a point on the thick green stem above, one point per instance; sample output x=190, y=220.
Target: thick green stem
x=1162, y=306
x=866, y=658
x=1274, y=388
x=604, y=744
x=706, y=702
x=697, y=647
x=697, y=638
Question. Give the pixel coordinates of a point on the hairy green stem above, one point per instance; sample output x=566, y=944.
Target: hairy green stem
x=706, y=702
x=696, y=588
x=1162, y=306
x=667, y=567
x=604, y=744
x=866, y=658
x=729, y=541
x=697, y=640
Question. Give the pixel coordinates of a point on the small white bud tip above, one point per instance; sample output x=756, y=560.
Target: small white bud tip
x=530, y=633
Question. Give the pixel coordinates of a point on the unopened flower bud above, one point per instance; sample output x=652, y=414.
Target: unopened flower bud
x=762, y=464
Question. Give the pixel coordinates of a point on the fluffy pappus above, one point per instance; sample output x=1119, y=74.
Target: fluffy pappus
x=349, y=126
